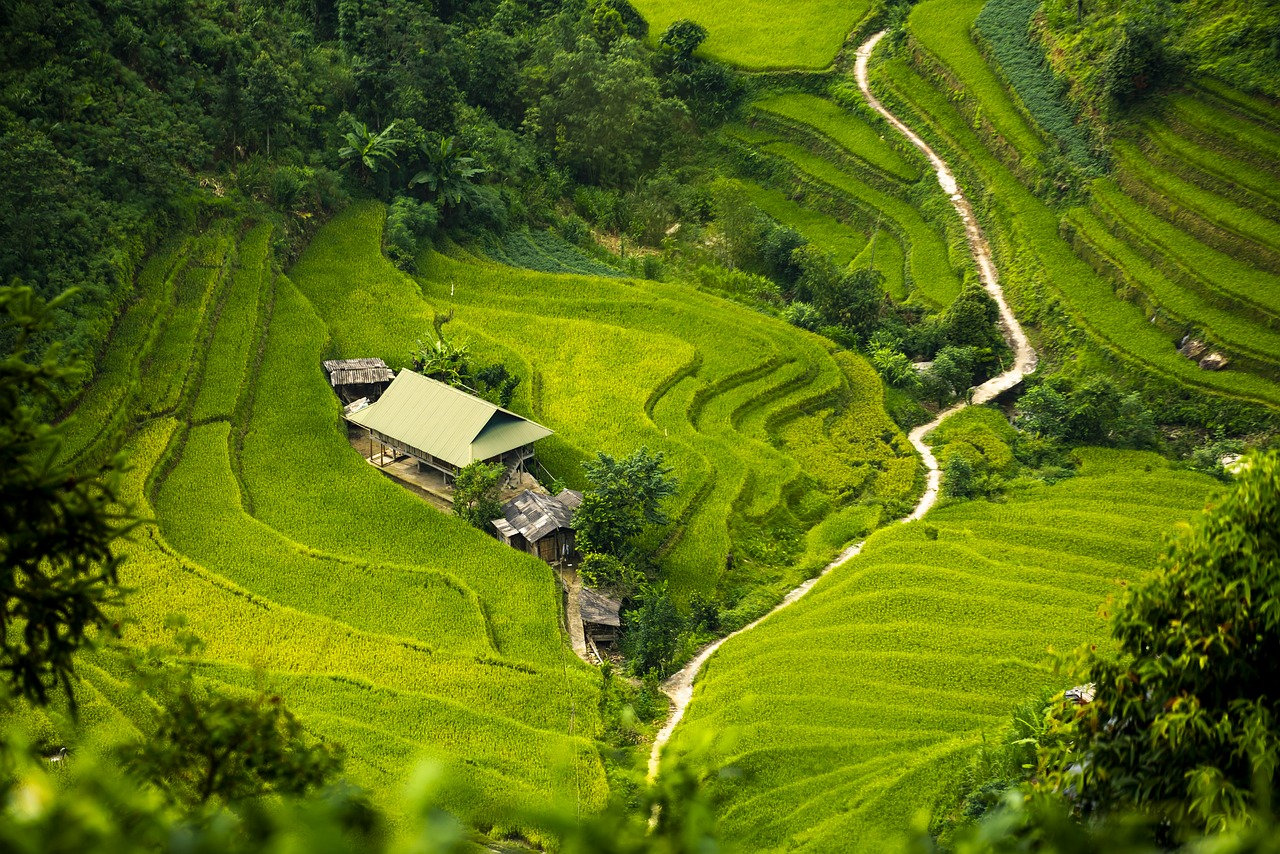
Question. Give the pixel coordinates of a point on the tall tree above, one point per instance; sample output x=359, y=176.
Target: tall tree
x=58, y=559
x=624, y=500
x=475, y=494
x=1186, y=723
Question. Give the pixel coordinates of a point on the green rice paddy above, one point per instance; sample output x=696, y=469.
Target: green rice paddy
x=763, y=36
x=839, y=720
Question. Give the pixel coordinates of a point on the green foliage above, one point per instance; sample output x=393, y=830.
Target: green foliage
x=545, y=252
x=958, y=477
x=59, y=553
x=895, y=367
x=1184, y=725
x=475, y=493
x=448, y=173
x=679, y=41
x=1115, y=50
x=851, y=298
x=368, y=151
x=953, y=372
x=602, y=111
x=1094, y=411
x=231, y=748
x=409, y=221
x=607, y=572
x=622, y=502
x=651, y=631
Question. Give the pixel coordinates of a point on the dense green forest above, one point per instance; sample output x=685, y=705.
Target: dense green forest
x=916, y=366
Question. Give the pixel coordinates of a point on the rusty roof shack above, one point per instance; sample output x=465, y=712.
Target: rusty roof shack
x=601, y=617
x=540, y=525
x=353, y=379
x=444, y=428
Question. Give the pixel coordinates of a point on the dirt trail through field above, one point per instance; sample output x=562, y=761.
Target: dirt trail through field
x=680, y=686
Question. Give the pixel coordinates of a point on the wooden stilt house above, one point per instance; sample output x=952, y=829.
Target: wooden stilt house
x=444, y=428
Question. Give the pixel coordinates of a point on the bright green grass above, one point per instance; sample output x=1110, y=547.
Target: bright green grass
x=237, y=328
x=1088, y=299
x=617, y=364
x=843, y=716
x=846, y=129
x=831, y=235
x=889, y=259
x=929, y=263
x=104, y=406
x=170, y=363
x=758, y=35
x=942, y=27
x=1248, y=137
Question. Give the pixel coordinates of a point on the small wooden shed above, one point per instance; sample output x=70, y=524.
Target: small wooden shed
x=540, y=525
x=600, y=616
x=353, y=379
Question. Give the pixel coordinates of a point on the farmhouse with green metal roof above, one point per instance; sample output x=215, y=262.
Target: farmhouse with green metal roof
x=445, y=428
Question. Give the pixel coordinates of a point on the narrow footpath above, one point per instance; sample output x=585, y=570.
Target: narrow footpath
x=679, y=687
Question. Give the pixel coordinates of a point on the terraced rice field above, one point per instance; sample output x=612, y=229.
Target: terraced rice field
x=1142, y=267
x=395, y=630
x=763, y=36
x=837, y=160
x=839, y=719
x=615, y=364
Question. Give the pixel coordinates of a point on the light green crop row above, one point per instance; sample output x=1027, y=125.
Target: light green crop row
x=931, y=271
x=1219, y=272
x=171, y=362
x=1218, y=164
x=1173, y=192
x=843, y=716
x=844, y=128
x=105, y=404
x=1246, y=137
x=943, y=28
x=237, y=332
x=1234, y=330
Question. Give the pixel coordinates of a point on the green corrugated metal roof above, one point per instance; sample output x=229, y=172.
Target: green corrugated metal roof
x=445, y=422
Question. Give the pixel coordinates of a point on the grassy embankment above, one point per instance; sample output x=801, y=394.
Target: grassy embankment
x=840, y=719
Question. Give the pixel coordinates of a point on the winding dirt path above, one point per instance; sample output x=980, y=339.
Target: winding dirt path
x=679, y=687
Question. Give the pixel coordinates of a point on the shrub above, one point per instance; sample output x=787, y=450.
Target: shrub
x=958, y=477
x=475, y=493
x=607, y=572
x=409, y=221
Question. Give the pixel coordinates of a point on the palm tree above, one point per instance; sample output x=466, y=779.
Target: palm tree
x=369, y=151
x=448, y=172
x=442, y=360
